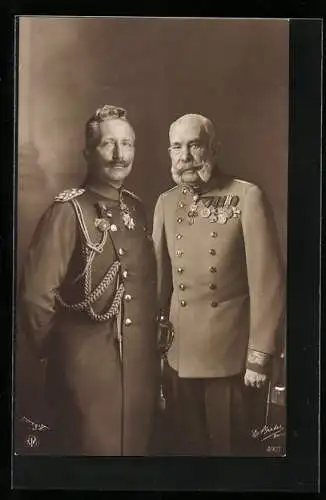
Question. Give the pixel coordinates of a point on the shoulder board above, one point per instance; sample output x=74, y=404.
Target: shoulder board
x=69, y=194
x=133, y=195
x=171, y=189
x=243, y=182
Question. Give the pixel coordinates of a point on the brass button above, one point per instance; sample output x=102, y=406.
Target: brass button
x=212, y=286
x=181, y=204
x=121, y=251
x=113, y=227
x=179, y=253
x=179, y=220
x=128, y=322
x=214, y=234
x=179, y=236
x=212, y=269
x=128, y=297
x=183, y=303
x=214, y=304
x=125, y=273
x=182, y=286
x=184, y=190
x=180, y=270
x=212, y=251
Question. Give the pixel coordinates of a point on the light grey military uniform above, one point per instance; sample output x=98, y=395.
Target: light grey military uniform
x=226, y=278
x=220, y=277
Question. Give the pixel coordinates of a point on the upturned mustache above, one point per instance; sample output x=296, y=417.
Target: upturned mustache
x=204, y=170
x=181, y=167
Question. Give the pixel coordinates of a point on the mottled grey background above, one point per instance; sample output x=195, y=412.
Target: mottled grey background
x=233, y=71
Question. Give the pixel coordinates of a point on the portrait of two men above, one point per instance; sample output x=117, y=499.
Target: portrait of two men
x=151, y=237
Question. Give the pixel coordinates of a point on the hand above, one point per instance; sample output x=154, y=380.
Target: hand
x=254, y=379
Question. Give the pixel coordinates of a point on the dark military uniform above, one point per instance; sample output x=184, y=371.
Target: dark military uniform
x=90, y=280
x=220, y=277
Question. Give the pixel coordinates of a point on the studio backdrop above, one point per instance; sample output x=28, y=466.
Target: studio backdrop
x=235, y=72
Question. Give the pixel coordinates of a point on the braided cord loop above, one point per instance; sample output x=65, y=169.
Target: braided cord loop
x=91, y=296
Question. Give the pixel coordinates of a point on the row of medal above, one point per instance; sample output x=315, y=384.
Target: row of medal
x=103, y=223
x=220, y=209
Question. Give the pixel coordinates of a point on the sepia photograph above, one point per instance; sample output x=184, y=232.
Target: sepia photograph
x=151, y=237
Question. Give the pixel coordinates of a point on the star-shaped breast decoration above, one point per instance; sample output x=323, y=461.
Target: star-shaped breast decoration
x=102, y=224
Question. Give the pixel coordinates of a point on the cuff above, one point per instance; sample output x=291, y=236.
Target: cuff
x=258, y=361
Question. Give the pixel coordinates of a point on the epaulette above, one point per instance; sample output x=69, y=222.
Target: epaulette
x=133, y=195
x=69, y=194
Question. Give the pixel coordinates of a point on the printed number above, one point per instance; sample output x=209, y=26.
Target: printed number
x=273, y=449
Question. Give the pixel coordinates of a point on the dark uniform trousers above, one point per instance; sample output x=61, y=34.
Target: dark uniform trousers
x=211, y=416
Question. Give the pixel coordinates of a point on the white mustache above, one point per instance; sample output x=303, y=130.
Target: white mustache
x=188, y=166
x=204, y=170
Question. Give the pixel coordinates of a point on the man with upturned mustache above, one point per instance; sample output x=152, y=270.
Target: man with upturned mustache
x=87, y=303
x=221, y=292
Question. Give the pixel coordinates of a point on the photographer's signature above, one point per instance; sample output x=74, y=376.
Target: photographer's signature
x=35, y=426
x=268, y=432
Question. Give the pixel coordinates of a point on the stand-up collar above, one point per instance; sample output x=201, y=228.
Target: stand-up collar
x=106, y=190
x=218, y=180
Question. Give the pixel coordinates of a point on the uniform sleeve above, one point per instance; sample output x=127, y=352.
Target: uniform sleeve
x=44, y=270
x=265, y=278
x=163, y=263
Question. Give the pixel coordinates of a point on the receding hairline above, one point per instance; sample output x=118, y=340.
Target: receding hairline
x=205, y=123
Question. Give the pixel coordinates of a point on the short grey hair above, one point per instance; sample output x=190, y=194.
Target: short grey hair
x=205, y=124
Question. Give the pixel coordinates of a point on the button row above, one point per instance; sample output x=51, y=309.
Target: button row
x=180, y=253
x=183, y=303
x=213, y=234
x=211, y=286
x=128, y=298
x=212, y=269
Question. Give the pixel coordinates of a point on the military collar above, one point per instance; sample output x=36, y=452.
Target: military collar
x=217, y=180
x=106, y=191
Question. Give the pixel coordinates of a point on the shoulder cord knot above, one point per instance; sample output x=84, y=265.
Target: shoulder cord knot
x=91, y=296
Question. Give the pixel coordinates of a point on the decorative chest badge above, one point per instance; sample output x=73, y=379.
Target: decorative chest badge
x=218, y=209
x=127, y=218
x=102, y=224
x=105, y=221
x=224, y=209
